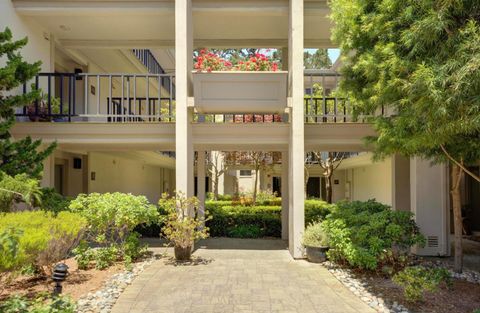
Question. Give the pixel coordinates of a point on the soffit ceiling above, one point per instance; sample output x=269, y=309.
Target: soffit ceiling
x=151, y=23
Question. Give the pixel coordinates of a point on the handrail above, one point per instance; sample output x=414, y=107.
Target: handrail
x=88, y=96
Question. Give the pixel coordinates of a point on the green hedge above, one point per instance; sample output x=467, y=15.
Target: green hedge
x=262, y=220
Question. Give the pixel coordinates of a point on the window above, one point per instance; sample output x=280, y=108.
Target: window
x=244, y=173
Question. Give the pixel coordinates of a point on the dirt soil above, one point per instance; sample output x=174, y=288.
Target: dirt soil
x=78, y=283
x=464, y=297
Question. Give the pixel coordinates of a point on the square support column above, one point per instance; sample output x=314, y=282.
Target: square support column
x=285, y=202
x=183, y=72
x=201, y=181
x=296, y=141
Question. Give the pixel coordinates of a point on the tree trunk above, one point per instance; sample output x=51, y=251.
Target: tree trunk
x=255, y=186
x=457, y=174
x=215, y=188
x=328, y=188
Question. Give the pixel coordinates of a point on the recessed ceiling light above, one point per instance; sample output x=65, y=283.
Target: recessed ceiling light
x=64, y=28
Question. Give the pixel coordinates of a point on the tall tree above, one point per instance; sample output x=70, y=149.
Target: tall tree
x=422, y=60
x=316, y=60
x=19, y=156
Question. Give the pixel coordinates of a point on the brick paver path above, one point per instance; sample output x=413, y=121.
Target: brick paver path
x=235, y=275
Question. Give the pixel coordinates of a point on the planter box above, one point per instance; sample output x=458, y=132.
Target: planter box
x=240, y=92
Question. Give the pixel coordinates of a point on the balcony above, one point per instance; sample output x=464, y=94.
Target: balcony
x=112, y=97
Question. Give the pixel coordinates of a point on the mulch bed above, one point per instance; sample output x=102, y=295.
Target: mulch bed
x=77, y=284
x=463, y=297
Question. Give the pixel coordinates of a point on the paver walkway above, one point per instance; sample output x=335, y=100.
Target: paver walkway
x=235, y=275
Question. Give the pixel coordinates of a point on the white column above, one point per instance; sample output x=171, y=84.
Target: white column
x=201, y=181
x=48, y=176
x=284, y=186
x=183, y=71
x=429, y=203
x=296, y=142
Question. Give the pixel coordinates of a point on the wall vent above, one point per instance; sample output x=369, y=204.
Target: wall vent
x=432, y=241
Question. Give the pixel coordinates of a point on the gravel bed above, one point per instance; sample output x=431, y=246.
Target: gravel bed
x=359, y=288
x=103, y=300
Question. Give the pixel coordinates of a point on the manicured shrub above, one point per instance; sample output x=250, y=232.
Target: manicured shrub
x=416, y=280
x=245, y=231
x=316, y=210
x=369, y=234
x=43, y=239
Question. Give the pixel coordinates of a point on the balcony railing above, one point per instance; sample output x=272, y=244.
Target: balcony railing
x=102, y=98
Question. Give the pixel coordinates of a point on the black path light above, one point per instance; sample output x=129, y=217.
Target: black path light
x=60, y=273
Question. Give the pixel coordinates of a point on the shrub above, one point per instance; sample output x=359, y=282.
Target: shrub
x=416, y=280
x=316, y=210
x=41, y=304
x=44, y=239
x=183, y=225
x=245, y=231
x=366, y=234
x=315, y=236
x=112, y=216
x=52, y=201
x=17, y=189
x=224, y=219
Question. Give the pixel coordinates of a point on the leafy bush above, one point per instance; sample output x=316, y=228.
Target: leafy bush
x=416, y=280
x=315, y=236
x=316, y=210
x=366, y=234
x=45, y=239
x=183, y=225
x=52, y=201
x=112, y=216
x=43, y=303
x=245, y=231
x=266, y=218
x=17, y=189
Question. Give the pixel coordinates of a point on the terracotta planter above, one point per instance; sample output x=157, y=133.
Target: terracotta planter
x=316, y=254
x=182, y=254
x=240, y=92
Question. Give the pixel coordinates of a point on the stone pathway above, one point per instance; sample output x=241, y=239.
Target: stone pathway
x=235, y=275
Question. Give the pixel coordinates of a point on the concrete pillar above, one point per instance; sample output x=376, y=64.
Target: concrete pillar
x=201, y=181
x=296, y=141
x=48, y=177
x=183, y=70
x=284, y=186
x=429, y=203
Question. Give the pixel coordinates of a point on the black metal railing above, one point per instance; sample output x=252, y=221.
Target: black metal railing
x=58, y=97
x=100, y=97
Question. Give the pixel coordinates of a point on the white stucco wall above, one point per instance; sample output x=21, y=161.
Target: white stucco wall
x=38, y=47
x=373, y=181
x=114, y=173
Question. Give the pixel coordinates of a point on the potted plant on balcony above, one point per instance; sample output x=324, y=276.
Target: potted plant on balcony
x=251, y=85
x=41, y=114
x=183, y=225
x=316, y=243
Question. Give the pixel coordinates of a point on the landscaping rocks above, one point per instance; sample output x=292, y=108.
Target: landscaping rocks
x=359, y=288
x=103, y=300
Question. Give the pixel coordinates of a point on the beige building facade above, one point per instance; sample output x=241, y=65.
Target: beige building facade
x=132, y=114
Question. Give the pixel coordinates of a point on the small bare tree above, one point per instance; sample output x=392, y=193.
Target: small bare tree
x=329, y=162
x=216, y=166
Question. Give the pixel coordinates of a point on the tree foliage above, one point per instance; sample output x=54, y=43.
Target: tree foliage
x=316, y=60
x=20, y=156
x=421, y=60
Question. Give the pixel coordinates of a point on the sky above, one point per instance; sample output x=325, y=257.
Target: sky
x=333, y=54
